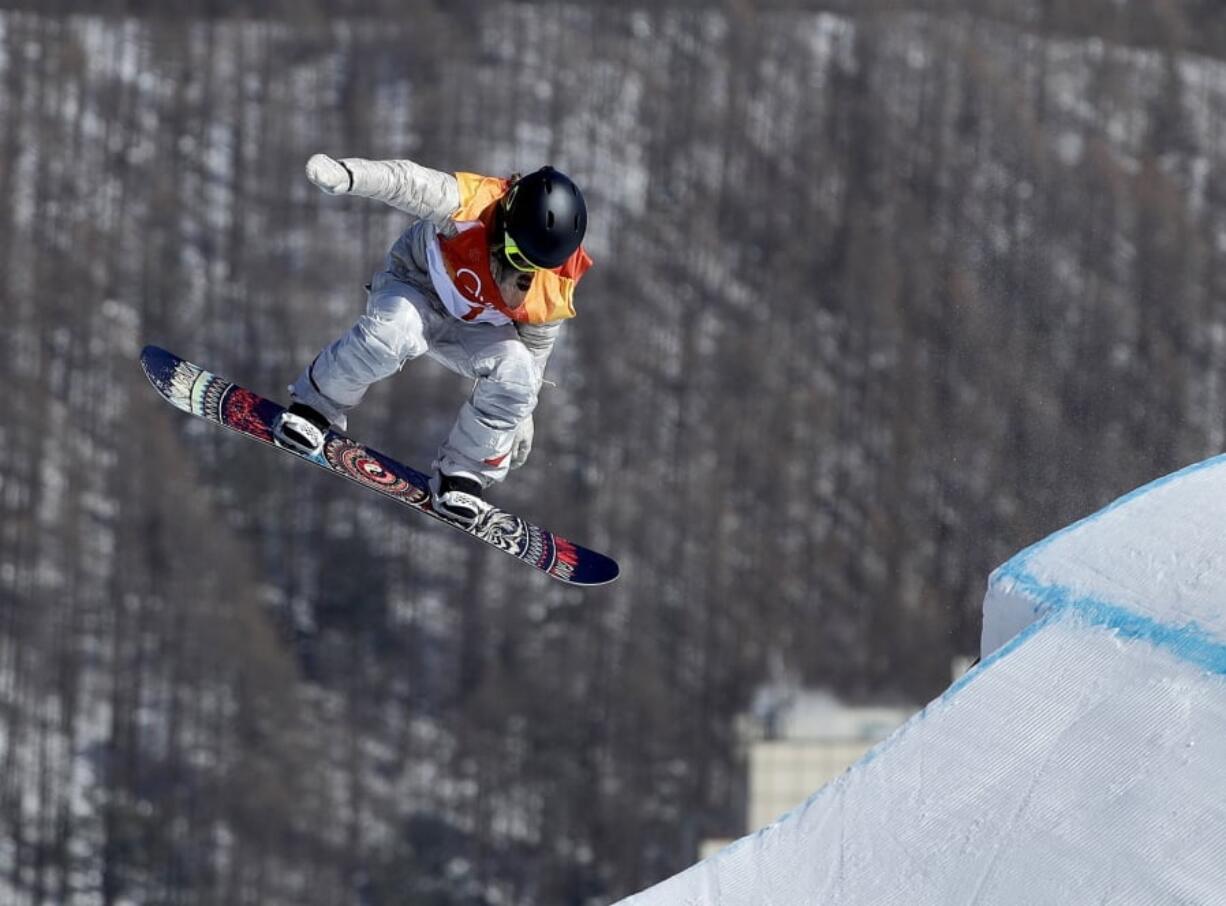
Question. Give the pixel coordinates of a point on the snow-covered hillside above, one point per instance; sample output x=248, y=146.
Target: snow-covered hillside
x=881, y=295
x=1080, y=762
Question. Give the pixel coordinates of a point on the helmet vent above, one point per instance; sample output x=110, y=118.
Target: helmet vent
x=549, y=221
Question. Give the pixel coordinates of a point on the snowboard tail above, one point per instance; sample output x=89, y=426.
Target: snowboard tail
x=202, y=393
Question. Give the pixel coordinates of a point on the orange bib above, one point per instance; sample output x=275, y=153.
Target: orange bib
x=552, y=295
x=466, y=260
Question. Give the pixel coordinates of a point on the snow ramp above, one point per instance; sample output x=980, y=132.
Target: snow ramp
x=1082, y=761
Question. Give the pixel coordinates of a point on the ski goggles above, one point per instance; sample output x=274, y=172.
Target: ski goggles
x=510, y=248
x=516, y=258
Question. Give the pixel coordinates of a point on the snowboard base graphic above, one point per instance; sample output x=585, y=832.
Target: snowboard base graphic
x=202, y=393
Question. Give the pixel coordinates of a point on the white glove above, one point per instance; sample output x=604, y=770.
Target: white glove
x=521, y=446
x=330, y=175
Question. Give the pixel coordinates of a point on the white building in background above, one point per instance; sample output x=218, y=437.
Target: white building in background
x=811, y=740
x=798, y=741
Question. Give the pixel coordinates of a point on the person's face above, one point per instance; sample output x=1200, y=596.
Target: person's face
x=512, y=284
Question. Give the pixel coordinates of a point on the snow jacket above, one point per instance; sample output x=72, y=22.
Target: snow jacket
x=445, y=253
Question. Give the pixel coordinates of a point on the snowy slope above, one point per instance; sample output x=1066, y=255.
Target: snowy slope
x=1084, y=761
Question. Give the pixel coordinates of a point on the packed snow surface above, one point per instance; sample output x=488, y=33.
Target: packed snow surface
x=1083, y=761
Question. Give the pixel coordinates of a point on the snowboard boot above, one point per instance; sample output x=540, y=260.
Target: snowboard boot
x=457, y=498
x=301, y=429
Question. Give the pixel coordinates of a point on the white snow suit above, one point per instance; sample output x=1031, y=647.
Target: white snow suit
x=426, y=301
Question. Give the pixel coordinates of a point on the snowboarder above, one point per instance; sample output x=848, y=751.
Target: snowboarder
x=482, y=281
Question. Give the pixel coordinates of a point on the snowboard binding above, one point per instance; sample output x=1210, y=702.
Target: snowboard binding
x=457, y=498
x=301, y=429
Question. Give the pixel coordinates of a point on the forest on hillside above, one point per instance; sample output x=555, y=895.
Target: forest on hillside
x=882, y=293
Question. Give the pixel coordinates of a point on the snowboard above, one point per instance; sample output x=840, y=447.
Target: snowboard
x=199, y=392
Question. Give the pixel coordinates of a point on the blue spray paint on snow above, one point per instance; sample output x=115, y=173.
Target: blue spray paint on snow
x=1189, y=642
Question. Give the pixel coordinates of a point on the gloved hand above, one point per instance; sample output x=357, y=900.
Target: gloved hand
x=329, y=174
x=521, y=446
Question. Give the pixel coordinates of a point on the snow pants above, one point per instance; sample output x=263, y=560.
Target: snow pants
x=403, y=322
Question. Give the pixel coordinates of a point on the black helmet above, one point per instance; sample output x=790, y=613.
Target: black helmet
x=545, y=217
